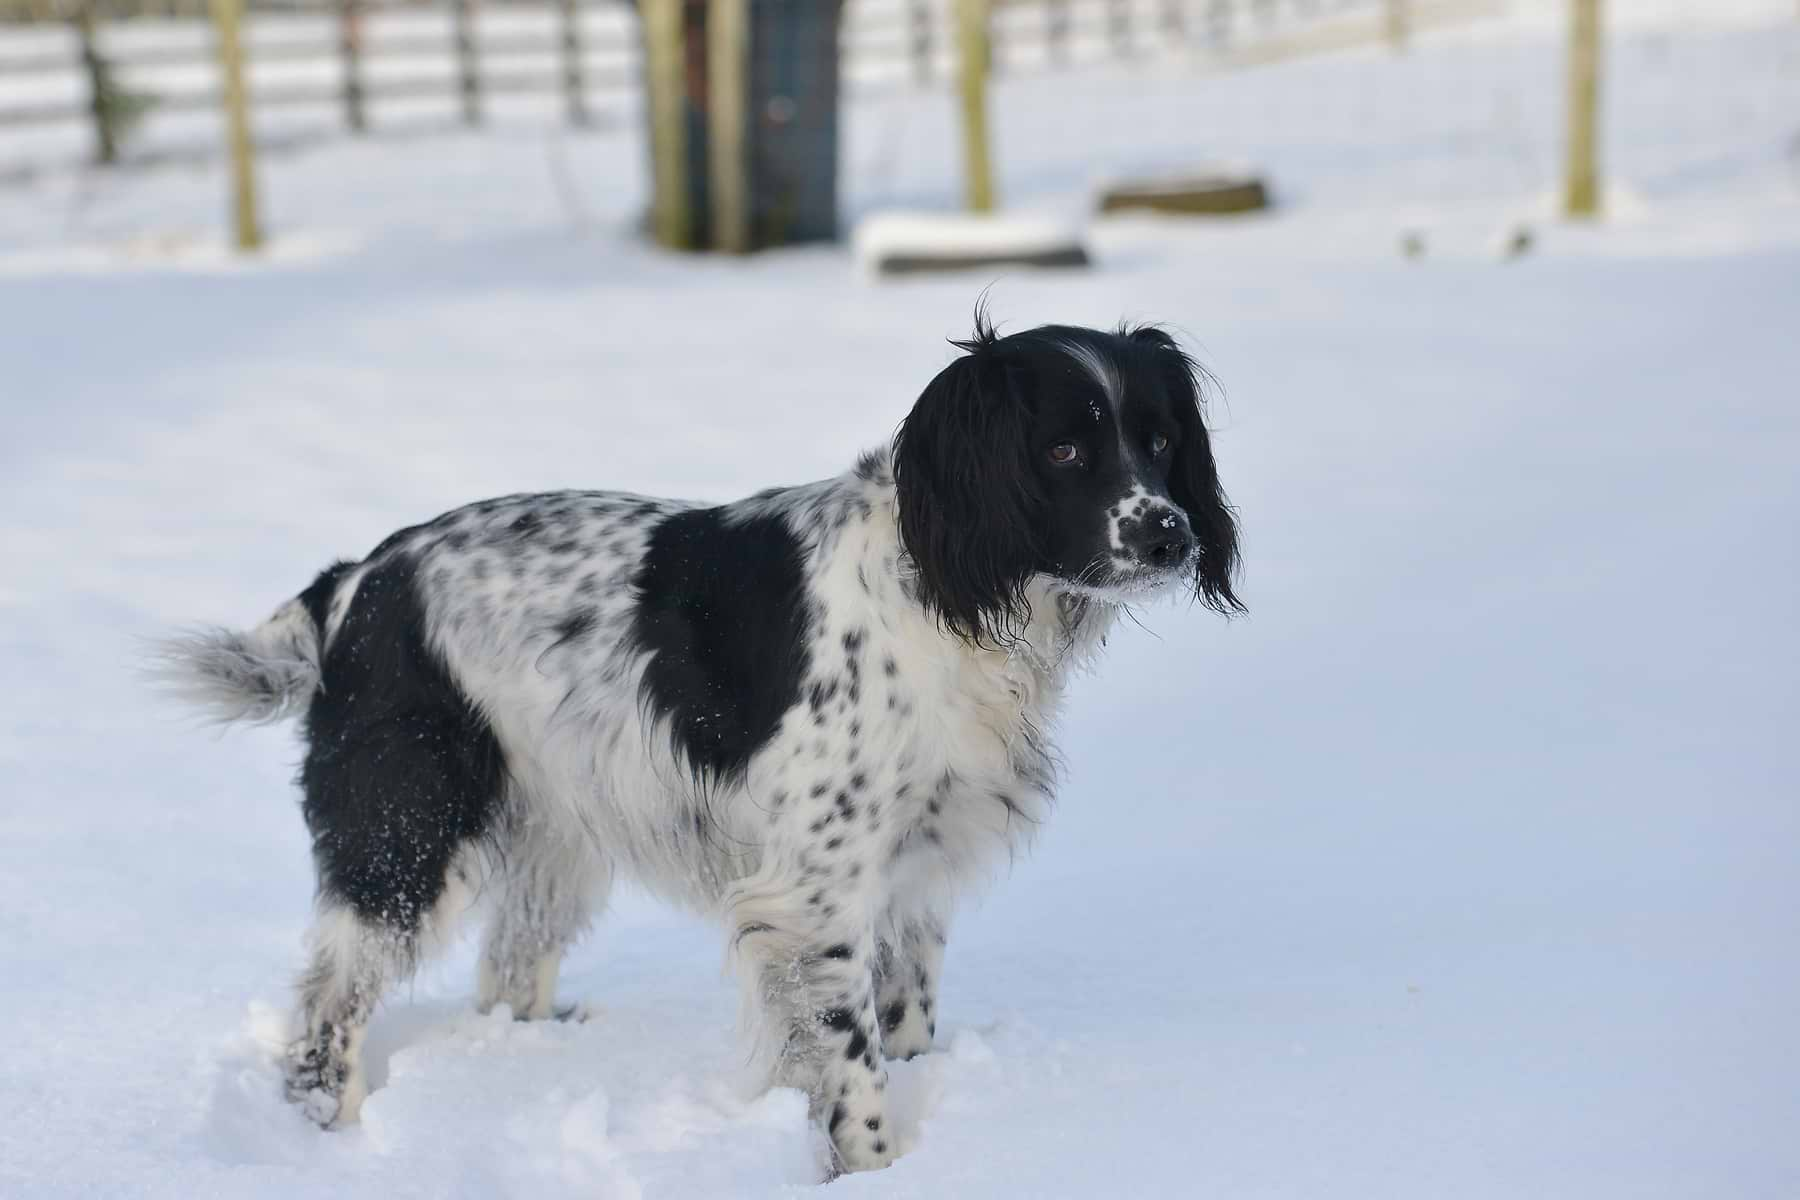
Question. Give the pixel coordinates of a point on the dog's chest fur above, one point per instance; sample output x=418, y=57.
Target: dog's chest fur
x=910, y=754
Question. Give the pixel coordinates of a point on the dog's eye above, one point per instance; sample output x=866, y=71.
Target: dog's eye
x=1158, y=443
x=1065, y=454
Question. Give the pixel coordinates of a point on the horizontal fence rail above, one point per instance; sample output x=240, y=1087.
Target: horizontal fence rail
x=113, y=63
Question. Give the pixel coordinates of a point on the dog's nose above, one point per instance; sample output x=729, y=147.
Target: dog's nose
x=1163, y=540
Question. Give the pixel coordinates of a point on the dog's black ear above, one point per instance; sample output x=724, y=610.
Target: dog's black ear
x=1193, y=477
x=969, y=501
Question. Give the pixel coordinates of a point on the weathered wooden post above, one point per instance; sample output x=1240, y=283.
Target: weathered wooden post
x=1056, y=30
x=1118, y=27
x=246, y=228
x=1174, y=19
x=1581, y=182
x=918, y=20
x=728, y=98
x=665, y=36
x=350, y=50
x=100, y=86
x=574, y=82
x=972, y=53
x=742, y=108
x=1219, y=17
x=468, y=68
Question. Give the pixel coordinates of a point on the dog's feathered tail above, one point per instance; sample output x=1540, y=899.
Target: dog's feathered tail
x=261, y=674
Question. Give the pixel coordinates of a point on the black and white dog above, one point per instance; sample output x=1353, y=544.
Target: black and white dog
x=819, y=713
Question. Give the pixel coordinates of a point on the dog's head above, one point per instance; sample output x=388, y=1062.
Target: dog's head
x=1068, y=453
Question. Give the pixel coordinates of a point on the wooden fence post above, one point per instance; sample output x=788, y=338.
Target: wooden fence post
x=1219, y=15
x=350, y=50
x=1056, y=30
x=972, y=56
x=1581, y=172
x=100, y=100
x=727, y=102
x=1174, y=19
x=468, y=69
x=1118, y=27
x=573, y=82
x=918, y=14
x=665, y=60
x=1398, y=23
x=246, y=228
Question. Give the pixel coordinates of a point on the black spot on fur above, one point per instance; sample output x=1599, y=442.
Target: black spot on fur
x=721, y=606
x=575, y=626
x=869, y=467
x=891, y=1018
x=401, y=770
x=859, y=1042
x=839, y=951
x=821, y=693
x=841, y=1020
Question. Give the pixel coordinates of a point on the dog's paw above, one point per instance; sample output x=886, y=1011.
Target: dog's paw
x=572, y=1014
x=322, y=1084
x=860, y=1142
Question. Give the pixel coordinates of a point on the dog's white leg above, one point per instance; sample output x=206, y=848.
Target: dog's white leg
x=906, y=982
x=353, y=962
x=355, y=959
x=814, y=996
x=545, y=898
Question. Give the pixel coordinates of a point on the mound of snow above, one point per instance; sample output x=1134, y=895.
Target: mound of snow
x=897, y=243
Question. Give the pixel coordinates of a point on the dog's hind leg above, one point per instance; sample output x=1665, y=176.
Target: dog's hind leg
x=545, y=890
x=403, y=780
x=356, y=958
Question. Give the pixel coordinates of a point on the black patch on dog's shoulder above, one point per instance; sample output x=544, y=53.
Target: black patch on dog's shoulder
x=721, y=606
x=401, y=771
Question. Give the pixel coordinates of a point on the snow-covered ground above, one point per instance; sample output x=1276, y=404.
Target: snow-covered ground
x=1466, y=865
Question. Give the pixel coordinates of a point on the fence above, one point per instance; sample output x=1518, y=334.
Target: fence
x=353, y=65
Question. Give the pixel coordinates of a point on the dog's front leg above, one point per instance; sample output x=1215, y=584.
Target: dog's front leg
x=817, y=999
x=906, y=980
x=849, y=1091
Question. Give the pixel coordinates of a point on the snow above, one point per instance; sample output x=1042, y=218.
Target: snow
x=887, y=236
x=1463, y=866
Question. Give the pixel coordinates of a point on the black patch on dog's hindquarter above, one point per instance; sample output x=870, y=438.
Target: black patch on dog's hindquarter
x=721, y=606
x=401, y=770
x=318, y=595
